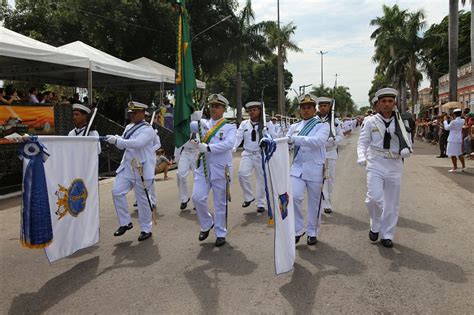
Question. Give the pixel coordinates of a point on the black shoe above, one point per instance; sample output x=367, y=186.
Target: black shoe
x=311, y=240
x=184, y=205
x=327, y=210
x=386, y=243
x=245, y=204
x=204, y=234
x=373, y=236
x=143, y=236
x=121, y=230
x=297, y=238
x=260, y=209
x=220, y=241
x=135, y=204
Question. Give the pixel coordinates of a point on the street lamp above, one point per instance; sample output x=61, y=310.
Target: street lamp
x=213, y=25
x=303, y=87
x=322, y=53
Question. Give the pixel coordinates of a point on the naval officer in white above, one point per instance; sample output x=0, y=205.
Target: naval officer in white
x=378, y=149
x=324, y=108
x=80, y=113
x=309, y=137
x=217, y=138
x=251, y=131
x=186, y=157
x=454, y=149
x=137, y=140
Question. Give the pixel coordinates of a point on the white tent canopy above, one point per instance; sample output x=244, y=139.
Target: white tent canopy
x=167, y=72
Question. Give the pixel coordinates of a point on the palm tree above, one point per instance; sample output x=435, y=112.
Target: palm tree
x=281, y=37
x=246, y=42
x=453, y=49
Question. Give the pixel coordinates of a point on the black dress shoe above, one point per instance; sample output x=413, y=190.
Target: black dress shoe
x=143, y=236
x=220, y=241
x=297, y=238
x=260, y=209
x=135, y=204
x=387, y=243
x=184, y=205
x=373, y=236
x=204, y=234
x=121, y=230
x=311, y=240
x=327, y=210
x=245, y=204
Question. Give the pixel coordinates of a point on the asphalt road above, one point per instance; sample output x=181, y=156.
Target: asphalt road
x=429, y=270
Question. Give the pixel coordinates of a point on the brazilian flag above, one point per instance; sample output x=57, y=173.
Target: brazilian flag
x=185, y=79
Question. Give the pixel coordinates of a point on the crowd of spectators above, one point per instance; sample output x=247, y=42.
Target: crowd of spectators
x=431, y=130
x=10, y=95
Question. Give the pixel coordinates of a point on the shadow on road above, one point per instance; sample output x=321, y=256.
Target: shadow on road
x=254, y=217
x=463, y=179
x=357, y=225
x=204, y=280
x=402, y=256
x=300, y=292
x=140, y=255
x=56, y=289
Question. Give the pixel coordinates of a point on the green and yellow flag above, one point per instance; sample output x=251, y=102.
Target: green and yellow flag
x=185, y=79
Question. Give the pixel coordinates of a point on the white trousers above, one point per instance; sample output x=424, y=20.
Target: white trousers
x=186, y=165
x=383, y=194
x=200, y=194
x=314, y=214
x=329, y=184
x=120, y=189
x=249, y=163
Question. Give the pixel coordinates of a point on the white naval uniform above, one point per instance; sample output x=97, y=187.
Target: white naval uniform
x=139, y=147
x=455, y=136
x=152, y=189
x=251, y=161
x=384, y=173
x=220, y=156
x=307, y=172
x=78, y=132
x=331, y=157
x=186, y=157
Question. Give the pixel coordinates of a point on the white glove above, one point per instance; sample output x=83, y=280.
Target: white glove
x=331, y=141
x=202, y=147
x=290, y=140
x=361, y=162
x=111, y=139
x=405, y=153
x=234, y=149
x=196, y=116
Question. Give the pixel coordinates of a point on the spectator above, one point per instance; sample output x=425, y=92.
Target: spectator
x=443, y=138
x=75, y=99
x=455, y=140
x=47, y=97
x=9, y=95
x=162, y=164
x=467, y=131
x=33, y=92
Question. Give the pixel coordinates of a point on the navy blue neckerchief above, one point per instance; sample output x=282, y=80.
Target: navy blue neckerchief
x=127, y=134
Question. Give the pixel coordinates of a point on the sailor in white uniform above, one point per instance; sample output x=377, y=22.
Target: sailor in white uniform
x=79, y=118
x=251, y=131
x=324, y=108
x=379, y=150
x=216, y=140
x=138, y=141
x=455, y=138
x=186, y=157
x=309, y=138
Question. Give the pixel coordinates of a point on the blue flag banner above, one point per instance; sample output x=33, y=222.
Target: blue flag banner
x=36, y=227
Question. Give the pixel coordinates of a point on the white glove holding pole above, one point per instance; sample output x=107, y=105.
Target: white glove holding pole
x=202, y=147
x=111, y=139
x=196, y=116
x=234, y=150
x=361, y=162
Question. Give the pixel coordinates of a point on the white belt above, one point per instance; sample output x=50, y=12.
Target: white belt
x=383, y=153
x=252, y=152
x=333, y=148
x=190, y=150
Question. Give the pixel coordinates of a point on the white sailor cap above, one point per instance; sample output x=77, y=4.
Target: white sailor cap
x=323, y=99
x=386, y=92
x=136, y=106
x=274, y=118
x=308, y=99
x=375, y=99
x=217, y=99
x=81, y=107
x=253, y=104
x=457, y=110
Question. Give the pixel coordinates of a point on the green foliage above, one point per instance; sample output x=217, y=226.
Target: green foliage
x=344, y=103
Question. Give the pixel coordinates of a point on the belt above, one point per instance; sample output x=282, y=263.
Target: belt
x=333, y=148
x=383, y=153
x=253, y=152
x=190, y=150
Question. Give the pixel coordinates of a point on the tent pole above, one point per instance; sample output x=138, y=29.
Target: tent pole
x=89, y=83
x=162, y=90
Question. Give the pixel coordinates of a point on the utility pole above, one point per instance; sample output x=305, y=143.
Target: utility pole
x=281, y=95
x=322, y=53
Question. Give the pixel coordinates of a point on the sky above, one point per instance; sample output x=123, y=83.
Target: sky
x=340, y=27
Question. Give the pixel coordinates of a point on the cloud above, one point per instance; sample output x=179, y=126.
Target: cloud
x=342, y=29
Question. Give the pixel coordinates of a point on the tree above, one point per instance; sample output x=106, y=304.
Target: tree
x=344, y=103
x=379, y=81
